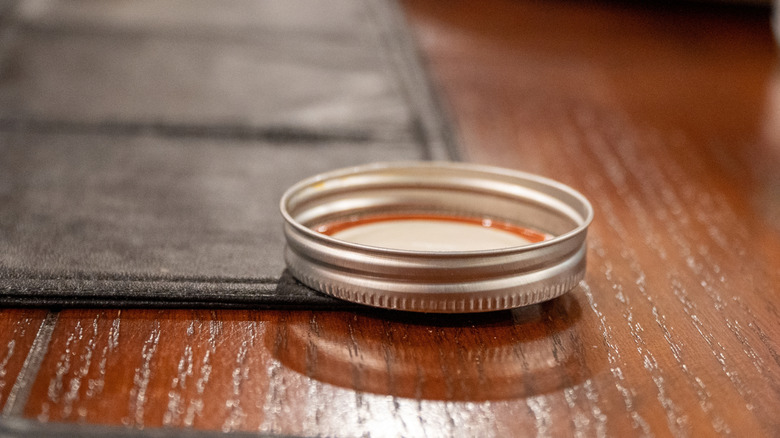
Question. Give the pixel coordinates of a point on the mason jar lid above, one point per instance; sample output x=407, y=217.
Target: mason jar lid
x=436, y=236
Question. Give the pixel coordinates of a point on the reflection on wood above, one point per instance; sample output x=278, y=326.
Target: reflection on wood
x=511, y=355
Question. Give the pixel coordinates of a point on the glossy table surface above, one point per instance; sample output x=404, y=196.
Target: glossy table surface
x=666, y=117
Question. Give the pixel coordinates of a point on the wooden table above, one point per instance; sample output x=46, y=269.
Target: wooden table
x=666, y=117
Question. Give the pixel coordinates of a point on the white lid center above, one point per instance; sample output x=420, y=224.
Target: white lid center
x=430, y=235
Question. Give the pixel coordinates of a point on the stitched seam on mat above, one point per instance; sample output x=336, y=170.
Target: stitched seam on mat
x=101, y=290
x=432, y=127
x=280, y=134
x=24, y=274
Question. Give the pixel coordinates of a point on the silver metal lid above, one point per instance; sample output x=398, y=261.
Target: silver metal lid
x=436, y=281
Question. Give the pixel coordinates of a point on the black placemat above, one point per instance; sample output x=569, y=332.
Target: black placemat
x=144, y=150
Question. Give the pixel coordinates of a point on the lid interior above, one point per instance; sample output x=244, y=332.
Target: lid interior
x=400, y=192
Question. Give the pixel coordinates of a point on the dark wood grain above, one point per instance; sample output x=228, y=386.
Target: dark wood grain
x=666, y=118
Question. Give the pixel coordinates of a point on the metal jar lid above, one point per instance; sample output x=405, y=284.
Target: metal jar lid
x=436, y=281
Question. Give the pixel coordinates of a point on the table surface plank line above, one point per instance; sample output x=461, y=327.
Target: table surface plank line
x=20, y=391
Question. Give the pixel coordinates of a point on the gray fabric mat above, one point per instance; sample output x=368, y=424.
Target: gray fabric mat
x=145, y=145
x=252, y=64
